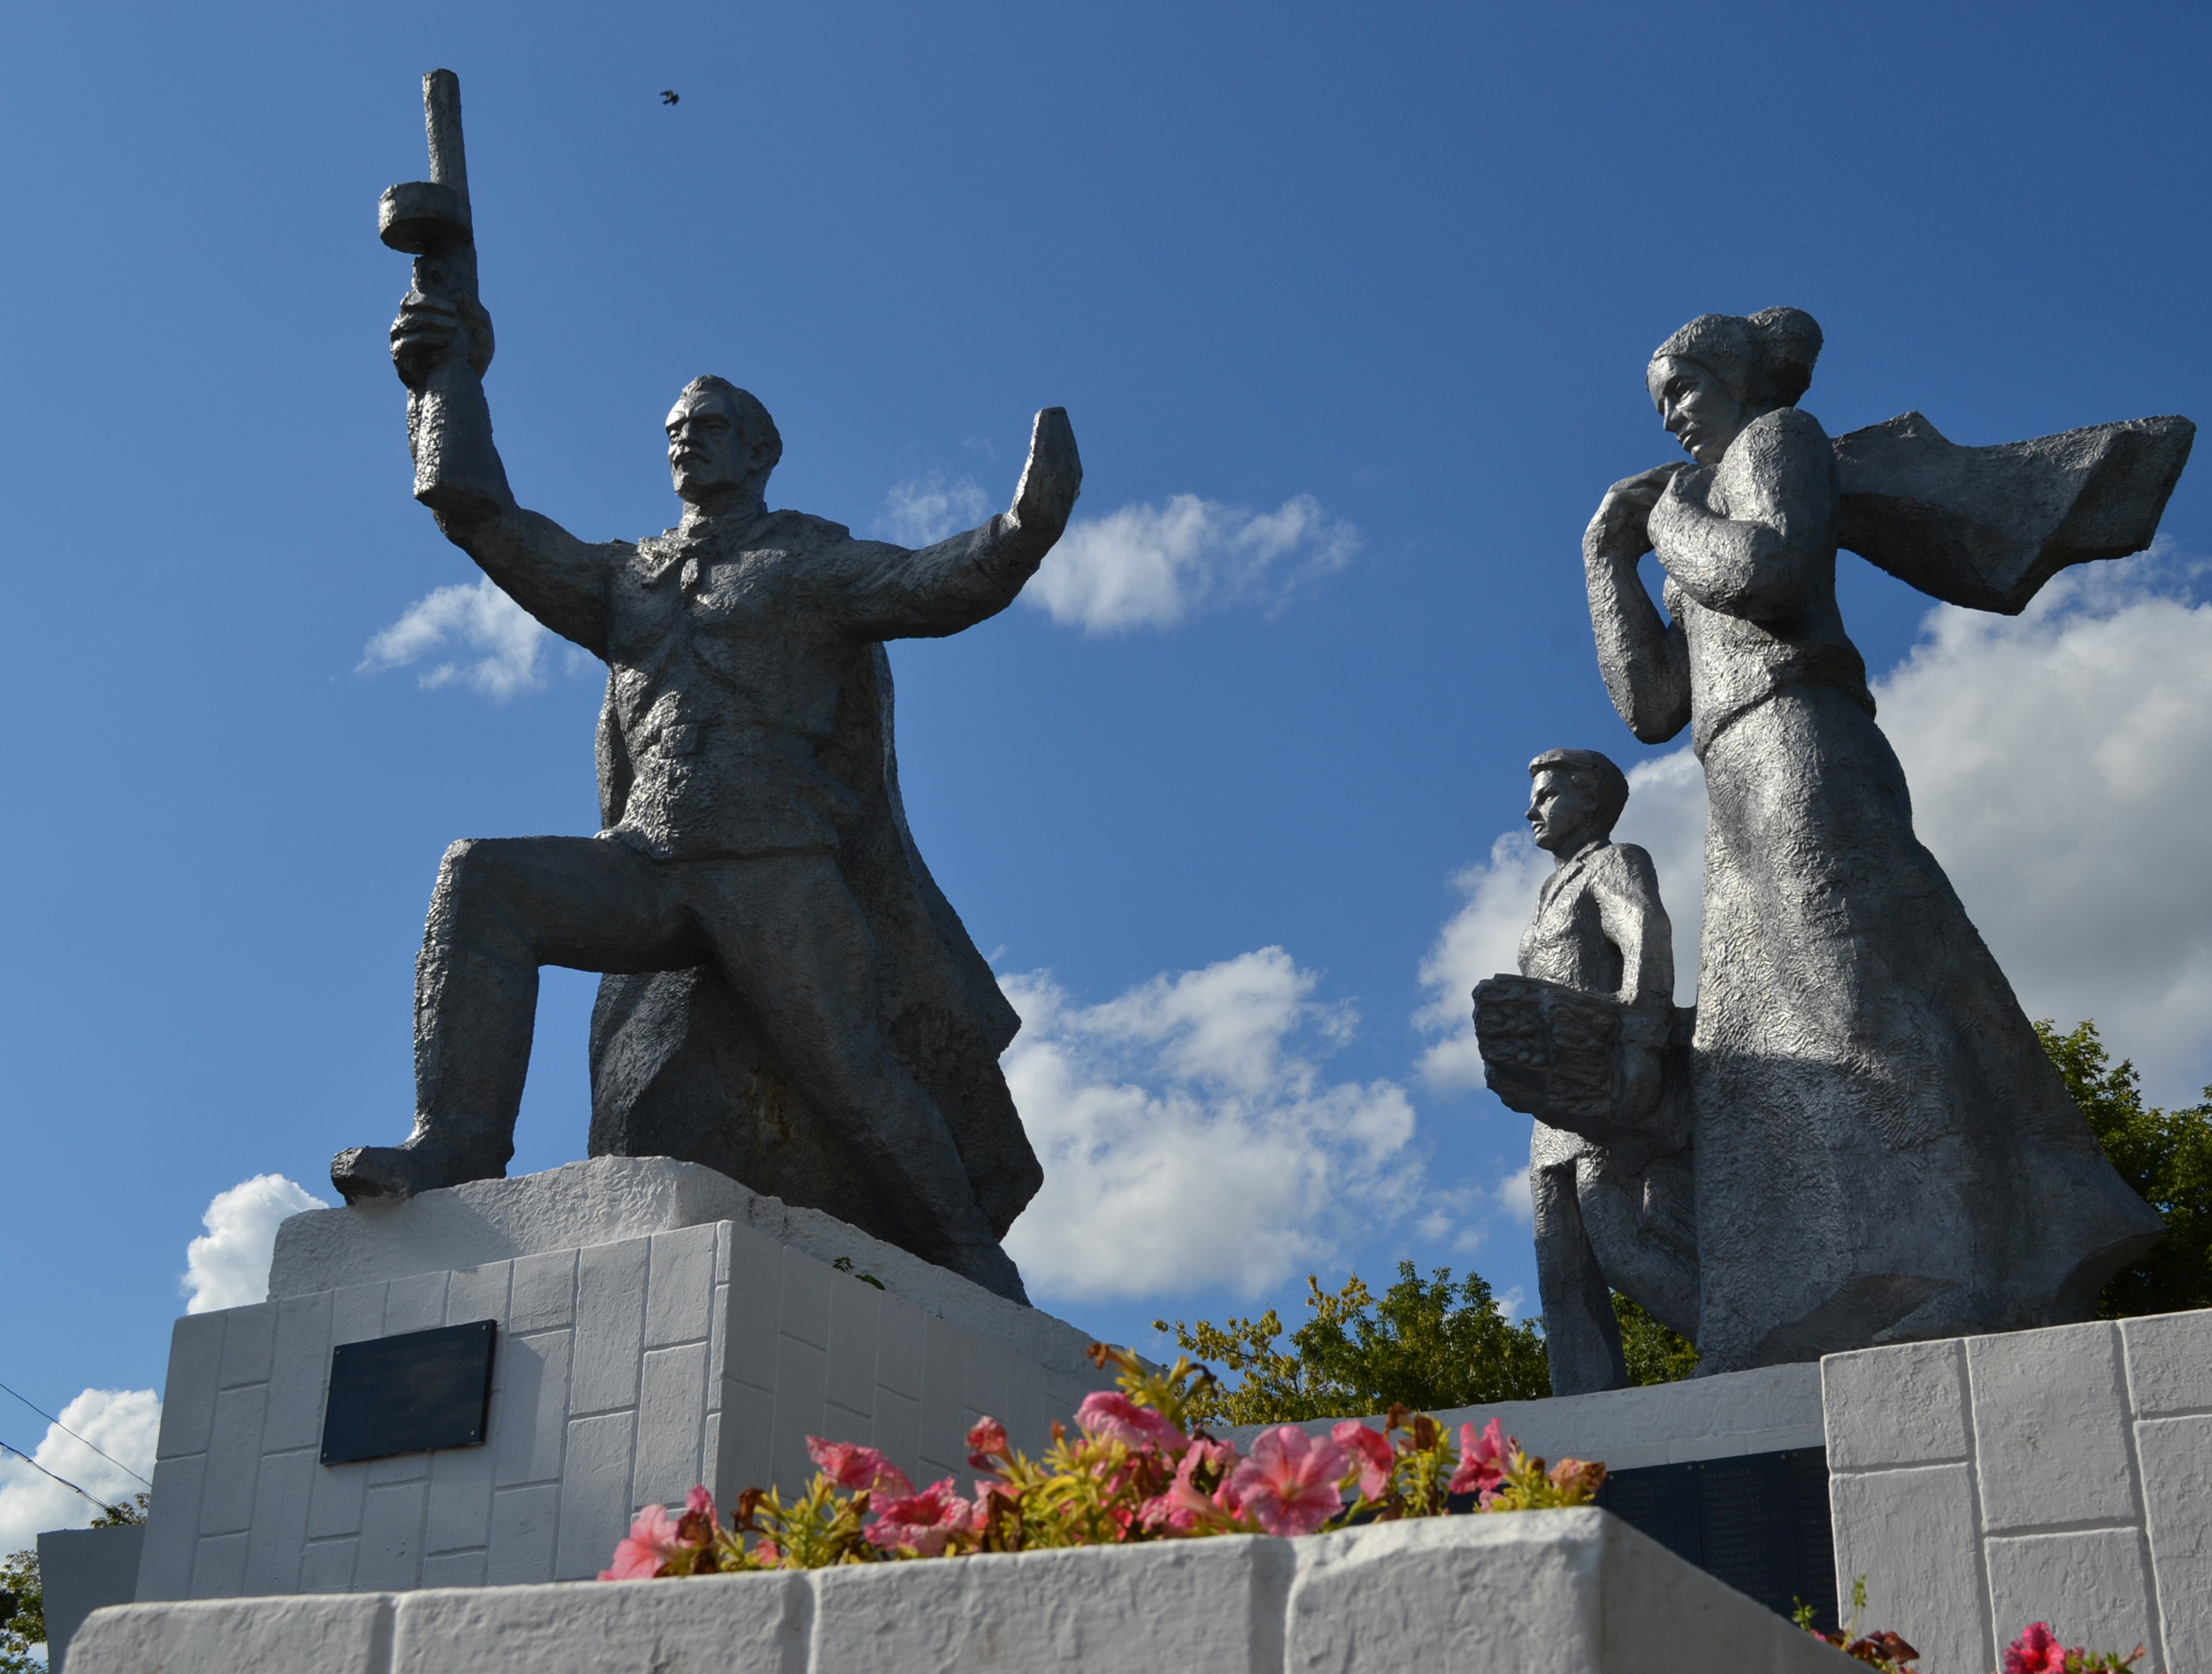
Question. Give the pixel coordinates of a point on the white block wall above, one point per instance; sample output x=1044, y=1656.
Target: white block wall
x=623, y=1373
x=1982, y=1483
x=1529, y=1592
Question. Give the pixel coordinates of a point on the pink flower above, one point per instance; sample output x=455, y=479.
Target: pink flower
x=985, y=1437
x=1184, y=1506
x=1109, y=1413
x=1373, y=1449
x=2036, y=1651
x=700, y=1501
x=853, y=1467
x=1289, y=1484
x=651, y=1543
x=1483, y=1460
x=920, y=1523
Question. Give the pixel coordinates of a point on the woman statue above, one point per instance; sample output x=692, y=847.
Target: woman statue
x=1881, y=1150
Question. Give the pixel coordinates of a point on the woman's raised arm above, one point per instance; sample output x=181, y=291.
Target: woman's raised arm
x=1644, y=657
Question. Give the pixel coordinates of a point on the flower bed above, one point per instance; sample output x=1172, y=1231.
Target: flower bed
x=1135, y=1469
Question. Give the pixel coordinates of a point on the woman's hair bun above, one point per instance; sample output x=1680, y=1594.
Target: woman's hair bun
x=1765, y=358
x=1789, y=344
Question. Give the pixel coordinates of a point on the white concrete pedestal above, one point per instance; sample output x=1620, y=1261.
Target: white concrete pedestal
x=659, y=1325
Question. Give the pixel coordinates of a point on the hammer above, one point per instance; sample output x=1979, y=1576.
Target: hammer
x=449, y=425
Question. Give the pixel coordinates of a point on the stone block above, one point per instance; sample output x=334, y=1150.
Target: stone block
x=679, y=1290
x=672, y=1414
x=944, y=1390
x=219, y=1566
x=805, y=1310
x=1173, y=1604
x=899, y=1348
x=801, y=1370
x=172, y=1530
x=188, y=1403
x=543, y=1293
x=234, y=1456
x=281, y=1497
x=356, y=1313
x=327, y=1566
x=333, y=1504
x=1902, y=1405
x=756, y=1301
x=610, y=1326
x=2092, y=1585
x=246, y=1636
x=712, y=1624
x=990, y=1383
x=522, y=1529
x=460, y=1511
x=478, y=1293
x=851, y=1372
x=299, y=1373
x=895, y=1431
x=596, y=1502
x=390, y=1554
x=2169, y=1363
x=2050, y=1428
x=2176, y=1454
x=454, y=1568
x=1915, y=1537
x=416, y=1302
x=532, y=1418
x=742, y=1458
x=80, y=1570
x=400, y=1467
x=249, y=1338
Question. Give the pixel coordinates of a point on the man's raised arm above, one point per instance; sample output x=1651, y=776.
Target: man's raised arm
x=557, y=579
x=887, y=593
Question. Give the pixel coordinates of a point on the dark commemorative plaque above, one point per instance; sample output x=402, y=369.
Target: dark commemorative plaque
x=1759, y=1523
x=410, y=1394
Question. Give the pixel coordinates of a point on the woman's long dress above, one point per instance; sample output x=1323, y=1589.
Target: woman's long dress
x=1882, y=1150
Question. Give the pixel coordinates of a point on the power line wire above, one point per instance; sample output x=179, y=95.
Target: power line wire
x=66, y=1430
x=65, y=1481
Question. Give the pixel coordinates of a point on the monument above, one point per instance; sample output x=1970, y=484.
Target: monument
x=754, y=896
x=1616, y=1212
x=1880, y=1149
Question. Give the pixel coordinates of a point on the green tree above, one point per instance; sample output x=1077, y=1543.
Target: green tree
x=2166, y=1156
x=1654, y=1354
x=22, y=1613
x=1427, y=1344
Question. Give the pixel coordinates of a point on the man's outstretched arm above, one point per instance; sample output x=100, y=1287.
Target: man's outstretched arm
x=888, y=593
x=557, y=579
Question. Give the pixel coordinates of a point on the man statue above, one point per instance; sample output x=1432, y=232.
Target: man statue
x=1615, y=1211
x=749, y=802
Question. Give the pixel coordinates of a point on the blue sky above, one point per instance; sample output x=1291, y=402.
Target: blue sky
x=1373, y=287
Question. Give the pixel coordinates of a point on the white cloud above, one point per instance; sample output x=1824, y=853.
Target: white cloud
x=464, y=620
x=229, y=1266
x=120, y=1422
x=2061, y=767
x=923, y=510
x=1187, y=1135
x=1151, y=566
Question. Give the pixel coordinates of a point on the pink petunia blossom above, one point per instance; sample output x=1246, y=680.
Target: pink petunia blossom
x=1373, y=1449
x=1483, y=1460
x=1289, y=1484
x=853, y=1467
x=985, y=1437
x=651, y=1543
x=1183, y=1506
x=700, y=1501
x=920, y=1523
x=2036, y=1651
x=1109, y=1413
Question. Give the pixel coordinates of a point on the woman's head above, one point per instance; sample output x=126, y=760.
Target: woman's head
x=1721, y=371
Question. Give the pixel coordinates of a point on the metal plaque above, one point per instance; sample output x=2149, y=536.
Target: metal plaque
x=409, y=1393
x=1759, y=1523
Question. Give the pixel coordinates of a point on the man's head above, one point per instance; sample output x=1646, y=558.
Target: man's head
x=1575, y=797
x=722, y=444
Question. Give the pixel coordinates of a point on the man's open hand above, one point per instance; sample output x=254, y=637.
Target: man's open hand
x=1051, y=480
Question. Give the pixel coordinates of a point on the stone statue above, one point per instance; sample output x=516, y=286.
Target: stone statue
x=753, y=828
x=1613, y=1206
x=1882, y=1151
